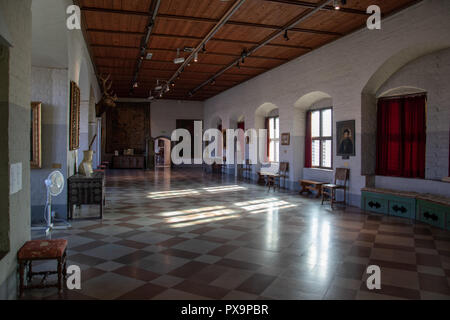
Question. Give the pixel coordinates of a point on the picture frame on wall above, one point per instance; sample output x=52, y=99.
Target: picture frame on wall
x=74, y=134
x=285, y=139
x=346, y=139
x=36, y=136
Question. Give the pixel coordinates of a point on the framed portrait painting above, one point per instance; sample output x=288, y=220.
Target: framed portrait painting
x=346, y=144
x=74, y=133
x=285, y=139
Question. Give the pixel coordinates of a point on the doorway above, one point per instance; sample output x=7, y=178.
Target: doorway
x=162, y=152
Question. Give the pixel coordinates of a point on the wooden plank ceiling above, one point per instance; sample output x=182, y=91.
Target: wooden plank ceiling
x=116, y=28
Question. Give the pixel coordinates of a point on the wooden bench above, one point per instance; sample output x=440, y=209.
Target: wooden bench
x=310, y=185
x=42, y=250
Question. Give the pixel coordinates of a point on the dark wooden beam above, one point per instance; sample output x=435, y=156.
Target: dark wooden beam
x=245, y=24
x=192, y=64
x=313, y=5
x=106, y=10
x=112, y=46
x=174, y=36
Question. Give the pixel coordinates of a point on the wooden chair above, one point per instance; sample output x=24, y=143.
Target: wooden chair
x=341, y=178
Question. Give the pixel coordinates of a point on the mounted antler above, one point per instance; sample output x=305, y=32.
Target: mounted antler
x=109, y=98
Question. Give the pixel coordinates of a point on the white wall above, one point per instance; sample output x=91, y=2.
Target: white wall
x=360, y=62
x=164, y=114
x=59, y=56
x=49, y=86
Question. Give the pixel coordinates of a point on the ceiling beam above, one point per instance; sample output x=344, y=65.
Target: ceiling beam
x=170, y=61
x=113, y=46
x=245, y=75
x=173, y=36
x=245, y=24
x=275, y=35
x=115, y=11
x=314, y=5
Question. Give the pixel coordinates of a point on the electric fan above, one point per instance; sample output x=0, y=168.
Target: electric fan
x=55, y=185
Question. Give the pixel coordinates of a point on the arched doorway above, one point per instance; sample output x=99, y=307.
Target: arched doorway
x=163, y=152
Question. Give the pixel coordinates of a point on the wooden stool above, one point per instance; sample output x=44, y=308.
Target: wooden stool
x=42, y=250
x=310, y=185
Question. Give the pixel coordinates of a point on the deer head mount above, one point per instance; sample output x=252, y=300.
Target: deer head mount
x=109, y=98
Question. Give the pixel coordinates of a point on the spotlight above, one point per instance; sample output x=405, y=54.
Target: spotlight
x=167, y=89
x=196, y=57
x=244, y=55
x=173, y=84
x=158, y=86
x=213, y=82
x=178, y=59
x=336, y=5
x=286, y=37
x=135, y=85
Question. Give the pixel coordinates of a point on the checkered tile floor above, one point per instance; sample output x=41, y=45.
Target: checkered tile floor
x=186, y=234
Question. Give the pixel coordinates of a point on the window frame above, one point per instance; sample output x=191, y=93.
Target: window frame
x=322, y=138
x=274, y=139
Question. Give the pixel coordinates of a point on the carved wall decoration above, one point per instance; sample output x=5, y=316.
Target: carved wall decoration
x=127, y=127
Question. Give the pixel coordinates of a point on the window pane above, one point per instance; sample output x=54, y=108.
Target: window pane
x=277, y=151
x=315, y=124
x=326, y=123
x=316, y=153
x=271, y=127
x=272, y=151
x=277, y=128
x=326, y=154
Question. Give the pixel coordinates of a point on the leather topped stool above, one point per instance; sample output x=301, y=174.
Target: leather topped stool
x=42, y=250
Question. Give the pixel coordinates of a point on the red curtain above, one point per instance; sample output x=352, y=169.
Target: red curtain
x=308, y=141
x=401, y=137
x=241, y=125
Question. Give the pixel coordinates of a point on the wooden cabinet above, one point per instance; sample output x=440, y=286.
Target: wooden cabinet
x=82, y=190
x=129, y=162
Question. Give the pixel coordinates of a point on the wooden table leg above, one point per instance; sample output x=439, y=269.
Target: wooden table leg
x=59, y=275
x=319, y=191
x=21, y=275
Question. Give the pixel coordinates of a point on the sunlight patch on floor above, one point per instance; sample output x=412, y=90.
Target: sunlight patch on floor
x=189, y=211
